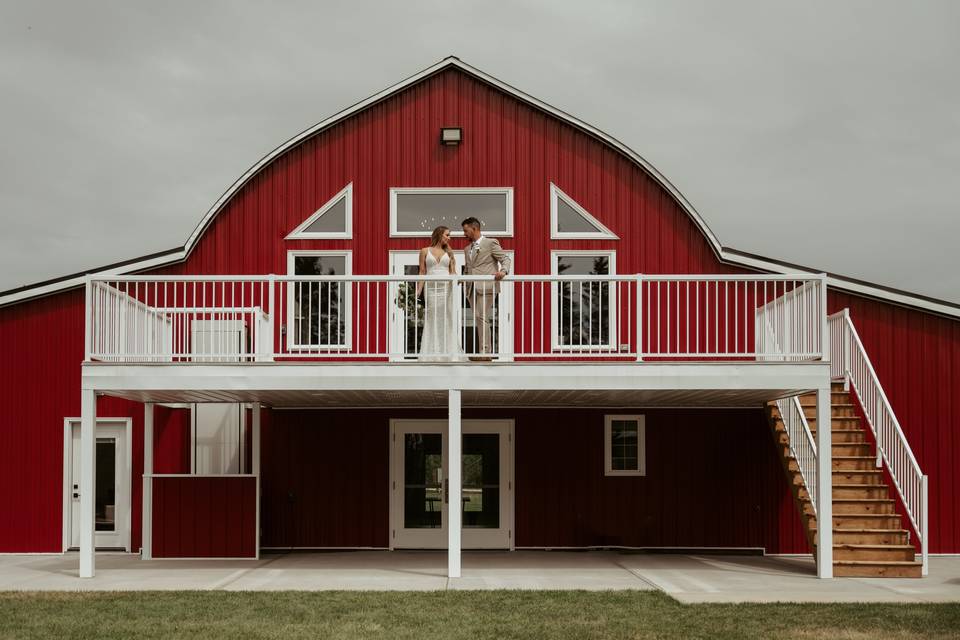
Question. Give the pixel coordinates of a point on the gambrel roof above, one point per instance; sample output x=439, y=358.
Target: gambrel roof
x=724, y=253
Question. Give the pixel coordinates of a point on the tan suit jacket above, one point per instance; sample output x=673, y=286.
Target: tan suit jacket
x=490, y=258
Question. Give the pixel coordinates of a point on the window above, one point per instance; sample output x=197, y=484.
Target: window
x=584, y=311
x=318, y=313
x=416, y=212
x=569, y=220
x=333, y=220
x=624, y=446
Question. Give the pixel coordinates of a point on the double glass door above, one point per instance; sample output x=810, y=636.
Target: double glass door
x=407, y=314
x=420, y=490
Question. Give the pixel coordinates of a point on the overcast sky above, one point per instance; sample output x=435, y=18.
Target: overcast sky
x=823, y=133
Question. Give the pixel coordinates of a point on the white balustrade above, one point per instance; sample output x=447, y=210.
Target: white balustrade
x=524, y=317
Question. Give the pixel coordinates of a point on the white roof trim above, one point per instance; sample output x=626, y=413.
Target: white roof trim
x=602, y=231
x=725, y=254
x=300, y=233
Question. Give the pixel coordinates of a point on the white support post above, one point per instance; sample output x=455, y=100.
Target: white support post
x=453, y=488
x=824, y=485
x=88, y=486
x=255, y=464
x=146, y=551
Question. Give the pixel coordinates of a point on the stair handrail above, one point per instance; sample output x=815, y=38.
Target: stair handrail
x=849, y=361
x=802, y=445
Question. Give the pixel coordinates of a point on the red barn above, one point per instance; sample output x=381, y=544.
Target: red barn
x=278, y=382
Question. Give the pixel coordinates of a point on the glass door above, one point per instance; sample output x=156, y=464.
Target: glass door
x=420, y=515
x=420, y=497
x=111, y=495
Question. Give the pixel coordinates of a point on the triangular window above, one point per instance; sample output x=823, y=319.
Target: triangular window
x=569, y=220
x=332, y=220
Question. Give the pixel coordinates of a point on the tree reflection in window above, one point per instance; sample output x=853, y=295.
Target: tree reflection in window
x=584, y=309
x=320, y=307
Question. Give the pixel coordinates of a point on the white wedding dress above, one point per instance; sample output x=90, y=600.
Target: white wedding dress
x=440, y=341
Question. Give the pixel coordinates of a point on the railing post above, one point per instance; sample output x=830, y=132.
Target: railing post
x=824, y=323
x=847, y=356
x=639, y=323
x=448, y=332
x=87, y=317
x=877, y=425
x=272, y=317
x=924, y=531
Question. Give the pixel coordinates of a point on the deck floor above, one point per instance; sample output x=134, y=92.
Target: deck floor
x=689, y=578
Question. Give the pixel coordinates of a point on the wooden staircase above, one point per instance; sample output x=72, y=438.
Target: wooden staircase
x=869, y=539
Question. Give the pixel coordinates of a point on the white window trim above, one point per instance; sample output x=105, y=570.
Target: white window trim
x=608, y=469
x=300, y=232
x=291, y=292
x=556, y=193
x=555, y=303
x=395, y=191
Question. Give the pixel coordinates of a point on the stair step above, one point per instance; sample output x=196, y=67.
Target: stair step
x=866, y=521
x=870, y=536
x=854, y=463
x=877, y=569
x=836, y=410
x=852, y=436
x=877, y=552
x=843, y=506
x=837, y=420
x=858, y=476
x=851, y=448
x=861, y=491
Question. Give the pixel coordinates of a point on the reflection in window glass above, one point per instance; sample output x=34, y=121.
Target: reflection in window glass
x=333, y=220
x=584, y=307
x=624, y=445
x=420, y=213
x=320, y=308
x=106, y=499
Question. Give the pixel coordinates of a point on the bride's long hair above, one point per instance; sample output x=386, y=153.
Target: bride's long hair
x=436, y=239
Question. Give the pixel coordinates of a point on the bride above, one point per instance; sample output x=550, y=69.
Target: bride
x=439, y=342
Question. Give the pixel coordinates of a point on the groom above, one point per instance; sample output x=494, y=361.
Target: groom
x=484, y=257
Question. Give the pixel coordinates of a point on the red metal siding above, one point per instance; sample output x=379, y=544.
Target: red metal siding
x=506, y=143
x=325, y=476
x=917, y=358
x=713, y=480
x=204, y=517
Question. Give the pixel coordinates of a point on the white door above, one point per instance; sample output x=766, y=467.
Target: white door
x=419, y=490
x=113, y=480
x=406, y=313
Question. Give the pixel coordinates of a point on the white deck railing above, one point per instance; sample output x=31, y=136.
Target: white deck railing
x=802, y=445
x=850, y=362
x=276, y=318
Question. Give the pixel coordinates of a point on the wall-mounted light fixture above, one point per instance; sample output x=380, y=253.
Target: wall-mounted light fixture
x=451, y=135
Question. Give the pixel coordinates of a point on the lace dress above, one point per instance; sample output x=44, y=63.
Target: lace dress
x=440, y=331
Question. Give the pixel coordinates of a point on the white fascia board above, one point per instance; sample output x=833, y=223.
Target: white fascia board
x=425, y=377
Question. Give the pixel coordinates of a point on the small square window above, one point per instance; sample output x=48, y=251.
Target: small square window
x=624, y=445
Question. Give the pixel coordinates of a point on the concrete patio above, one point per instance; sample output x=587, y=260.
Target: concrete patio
x=689, y=578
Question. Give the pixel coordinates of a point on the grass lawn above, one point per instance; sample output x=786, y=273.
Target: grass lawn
x=451, y=614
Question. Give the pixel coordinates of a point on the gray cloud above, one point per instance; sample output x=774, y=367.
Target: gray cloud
x=823, y=133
